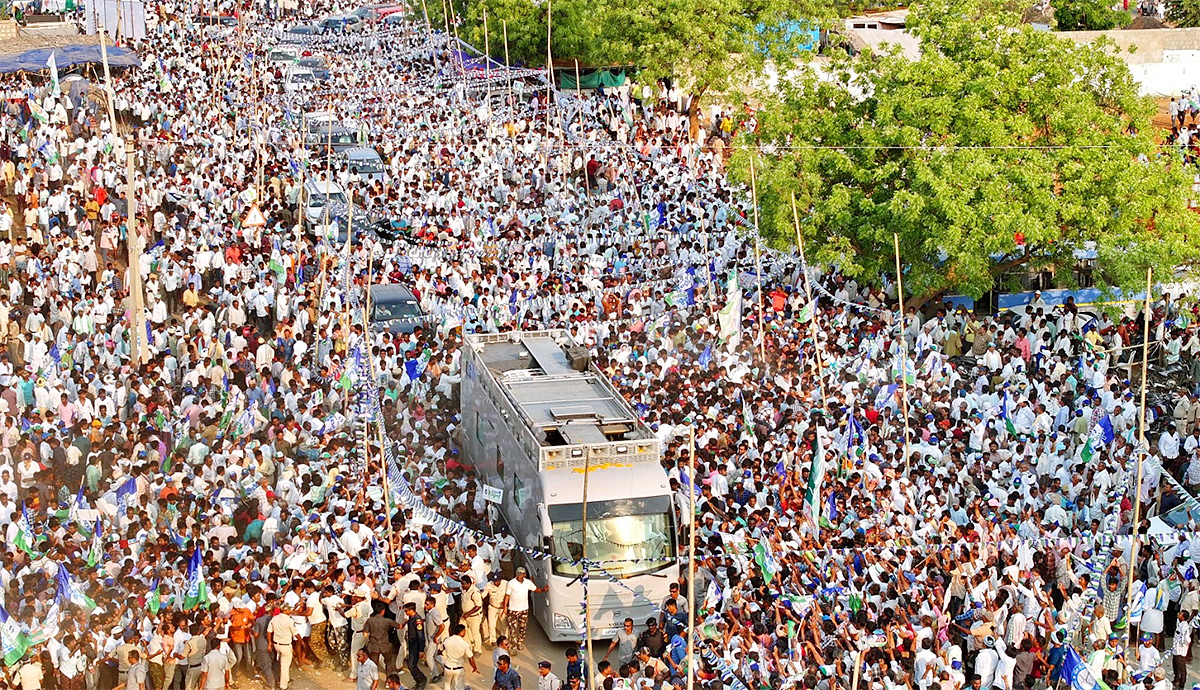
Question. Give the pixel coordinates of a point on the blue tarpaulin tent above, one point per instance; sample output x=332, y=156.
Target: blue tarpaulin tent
x=66, y=57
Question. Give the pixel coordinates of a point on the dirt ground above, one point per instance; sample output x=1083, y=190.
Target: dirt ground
x=1161, y=119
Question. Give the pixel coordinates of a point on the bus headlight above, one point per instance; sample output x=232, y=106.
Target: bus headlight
x=562, y=622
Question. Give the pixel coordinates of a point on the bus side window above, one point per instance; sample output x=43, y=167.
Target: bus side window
x=499, y=465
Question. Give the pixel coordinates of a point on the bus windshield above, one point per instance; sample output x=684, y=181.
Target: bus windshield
x=634, y=544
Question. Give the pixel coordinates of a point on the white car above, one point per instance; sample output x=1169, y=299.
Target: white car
x=1175, y=533
x=315, y=195
x=299, y=79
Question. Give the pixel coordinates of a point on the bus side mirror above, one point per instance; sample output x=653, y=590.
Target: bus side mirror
x=544, y=517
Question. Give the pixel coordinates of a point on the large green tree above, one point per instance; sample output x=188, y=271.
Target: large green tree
x=1184, y=13
x=574, y=31
x=998, y=147
x=704, y=45
x=1087, y=15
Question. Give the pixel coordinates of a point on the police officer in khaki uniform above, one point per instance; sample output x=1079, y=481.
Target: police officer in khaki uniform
x=472, y=612
x=495, y=593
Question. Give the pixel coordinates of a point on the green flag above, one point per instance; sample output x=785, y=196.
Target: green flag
x=96, y=552
x=13, y=641
x=25, y=537
x=154, y=601
x=764, y=561
x=856, y=602
x=805, y=312
x=816, y=477
x=1008, y=423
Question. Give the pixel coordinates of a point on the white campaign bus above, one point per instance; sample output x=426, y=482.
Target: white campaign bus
x=535, y=414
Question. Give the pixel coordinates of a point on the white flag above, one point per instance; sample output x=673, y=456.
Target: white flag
x=53, y=65
x=730, y=317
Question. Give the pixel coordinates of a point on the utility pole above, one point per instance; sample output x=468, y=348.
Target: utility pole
x=1141, y=451
x=691, y=532
x=903, y=348
x=139, y=351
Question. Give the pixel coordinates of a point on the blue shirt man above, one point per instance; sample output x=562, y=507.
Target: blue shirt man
x=506, y=677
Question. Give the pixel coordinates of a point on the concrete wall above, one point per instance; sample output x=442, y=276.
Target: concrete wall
x=1147, y=46
x=8, y=30
x=1164, y=62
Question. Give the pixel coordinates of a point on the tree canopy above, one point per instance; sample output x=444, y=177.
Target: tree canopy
x=703, y=44
x=1087, y=15
x=998, y=147
x=1184, y=13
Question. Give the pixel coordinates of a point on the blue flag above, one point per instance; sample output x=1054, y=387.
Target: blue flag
x=705, y=357
x=686, y=481
x=1106, y=426
x=1077, y=674
x=885, y=396
x=412, y=368
x=69, y=591
x=196, y=589
x=124, y=492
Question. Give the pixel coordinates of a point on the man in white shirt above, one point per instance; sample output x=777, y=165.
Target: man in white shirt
x=516, y=603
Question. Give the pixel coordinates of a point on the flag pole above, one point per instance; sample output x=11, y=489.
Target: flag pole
x=109, y=94
x=437, y=62
x=487, y=51
x=549, y=71
x=507, y=76
x=590, y=665
x=579, y=96
x=762, y=342
x=1141, y=454
x=322, y=255
x=691, y=532
x=857, y=669
x=346, y=252
x=903, y=348
x=812, y=305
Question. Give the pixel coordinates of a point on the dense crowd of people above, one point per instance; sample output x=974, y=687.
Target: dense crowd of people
x=934, y=501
